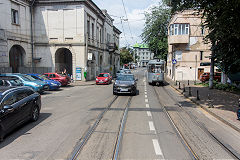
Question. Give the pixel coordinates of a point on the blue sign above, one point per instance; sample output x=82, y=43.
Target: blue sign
x=78, y=73
x=174, y=61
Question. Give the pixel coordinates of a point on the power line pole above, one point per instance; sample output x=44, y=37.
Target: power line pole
x=211, y=71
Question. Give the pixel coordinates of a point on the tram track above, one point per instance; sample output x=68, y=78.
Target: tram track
x=231, y=152
x=87, y=135
x=178, y=132
x=203, y=128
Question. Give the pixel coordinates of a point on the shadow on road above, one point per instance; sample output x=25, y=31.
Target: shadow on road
x=23, y=130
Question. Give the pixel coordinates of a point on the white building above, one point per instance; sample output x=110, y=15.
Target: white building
x=142, y=54
x=15, y=36
x=68, y=34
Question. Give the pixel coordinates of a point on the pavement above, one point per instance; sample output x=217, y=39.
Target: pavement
x=83, y=83
x=222, y=105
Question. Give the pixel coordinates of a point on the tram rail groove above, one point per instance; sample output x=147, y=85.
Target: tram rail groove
x=89, y=132
x=184, y=141
x=203, y=128
x=121, y=130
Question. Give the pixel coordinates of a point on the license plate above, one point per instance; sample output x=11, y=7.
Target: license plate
x=124, y=90
x=45, y=87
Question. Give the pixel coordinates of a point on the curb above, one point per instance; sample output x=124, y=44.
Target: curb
x=207, y=110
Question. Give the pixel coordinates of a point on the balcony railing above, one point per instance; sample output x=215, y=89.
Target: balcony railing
x=178, y=39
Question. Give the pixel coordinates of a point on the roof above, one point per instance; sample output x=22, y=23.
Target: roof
x=140, y=46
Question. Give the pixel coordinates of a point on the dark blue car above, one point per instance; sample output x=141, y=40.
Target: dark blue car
x=53, y=85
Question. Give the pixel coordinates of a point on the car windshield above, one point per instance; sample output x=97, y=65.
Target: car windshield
x=103, y=75
x=43, y=77
x=28, y=78
x=125, y=78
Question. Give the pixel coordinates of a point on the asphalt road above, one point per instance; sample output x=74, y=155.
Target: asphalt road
x=66, y=116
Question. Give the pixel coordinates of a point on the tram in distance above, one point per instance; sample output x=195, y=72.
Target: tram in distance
x=156, y=70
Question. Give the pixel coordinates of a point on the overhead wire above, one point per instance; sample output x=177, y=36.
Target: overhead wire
x=127, y=18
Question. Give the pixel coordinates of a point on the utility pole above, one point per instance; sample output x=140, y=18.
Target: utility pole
x=211, y=71
x=195, y=69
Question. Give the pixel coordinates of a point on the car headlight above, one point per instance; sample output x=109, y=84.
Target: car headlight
x=96, y=79
x=106, y=79
x=53, y=84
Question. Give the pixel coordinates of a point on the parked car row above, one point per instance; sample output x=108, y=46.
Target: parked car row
x=38, y=82
x=20, y=98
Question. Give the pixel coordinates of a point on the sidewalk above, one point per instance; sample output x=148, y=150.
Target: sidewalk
x=83, y=83
x=225, y=104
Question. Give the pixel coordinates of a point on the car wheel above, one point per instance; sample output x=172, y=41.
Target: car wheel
x=114, y=93
x=35, y=114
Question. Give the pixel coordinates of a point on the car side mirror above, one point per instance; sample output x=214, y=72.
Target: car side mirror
x=7, y=108
x=136, y=79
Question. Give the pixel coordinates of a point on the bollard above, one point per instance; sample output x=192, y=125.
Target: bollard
x=184, y=90
x=210, y=102
x=189, y=91
x=198, y=96
x=238, y=111
x=188, y=82
x=176, y=83
x=179, y=85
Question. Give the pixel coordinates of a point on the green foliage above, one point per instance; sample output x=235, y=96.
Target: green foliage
x=155, y=31
x=220, y=86
x=125, y=56
x=222, y=20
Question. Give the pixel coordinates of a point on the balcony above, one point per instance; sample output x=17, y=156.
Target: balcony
x=112, y=47
x=178, y=39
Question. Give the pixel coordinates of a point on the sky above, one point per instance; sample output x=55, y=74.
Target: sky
x=135, y=10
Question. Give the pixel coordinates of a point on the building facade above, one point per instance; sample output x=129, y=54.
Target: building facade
x=142, y=54
x=70, y=35
x=188, y=53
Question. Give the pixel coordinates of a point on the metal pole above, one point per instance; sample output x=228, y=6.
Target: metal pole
x=195, y=69
x=211, y=71
x=198, y=95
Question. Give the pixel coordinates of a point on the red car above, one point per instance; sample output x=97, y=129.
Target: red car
x=63, y=79
x=206, y=76
x=103, y=78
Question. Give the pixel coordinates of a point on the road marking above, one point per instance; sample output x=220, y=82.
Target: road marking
x=145, y=96
x=157, y=148
x=145, y=92
x=146, y=100
x=147, y=105
x=151, y=126
x=149, y=114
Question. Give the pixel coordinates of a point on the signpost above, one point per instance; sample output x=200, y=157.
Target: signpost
x=174, y=61
x=78, y=73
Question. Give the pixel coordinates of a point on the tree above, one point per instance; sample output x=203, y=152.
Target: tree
x=125, y=56
x=155, y=31
x=222, y=18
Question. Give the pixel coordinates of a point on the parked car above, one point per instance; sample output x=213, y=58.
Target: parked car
x=27, y=80
x=53, y=85
x=63, y=79
x=206, y=76
x=104, y=78
x=17, y=105
x=10, y=81
x=125, y=83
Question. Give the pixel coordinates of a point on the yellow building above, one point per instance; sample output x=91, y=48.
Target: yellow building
x=188, y=53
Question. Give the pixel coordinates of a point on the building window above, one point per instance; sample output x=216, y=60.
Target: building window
x=15, y=18
x=179, y=29
x=92, y=31
x=178, y=55
x=202, y=30
x=97, y=34
x=201, y=55
x=88, y=28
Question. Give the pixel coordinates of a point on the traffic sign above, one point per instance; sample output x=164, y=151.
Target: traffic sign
x=174, y=61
